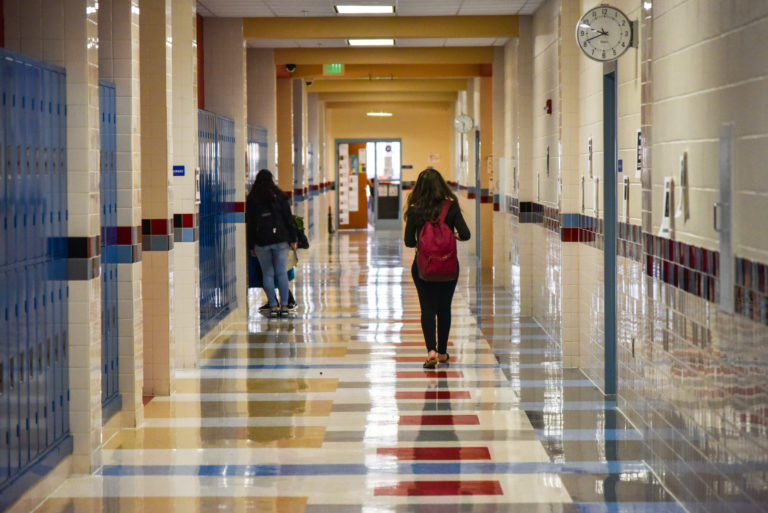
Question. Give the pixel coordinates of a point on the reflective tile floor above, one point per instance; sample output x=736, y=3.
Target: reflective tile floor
x=331, y=412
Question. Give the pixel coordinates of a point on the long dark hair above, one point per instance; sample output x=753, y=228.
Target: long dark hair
x=264, y=189
x=426, y=199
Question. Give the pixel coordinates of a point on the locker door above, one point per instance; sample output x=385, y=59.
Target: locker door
x=22, y=153
x=5, y=414
x=11, y=131
x=32, y=73
x=23, y=378
x=64, y=392
x=37, y=351
x=3, y=169
x=12, y=278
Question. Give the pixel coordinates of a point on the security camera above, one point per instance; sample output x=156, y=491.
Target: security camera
x=290, y=67
x=309, y=83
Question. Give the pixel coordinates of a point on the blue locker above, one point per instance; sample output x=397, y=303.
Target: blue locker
x=36, y=361
x=22, y=150
x=5, y=427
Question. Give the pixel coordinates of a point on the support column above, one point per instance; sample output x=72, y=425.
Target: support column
x=285, y=134
x=157, y=227
x=525, y=187
x=226, y=95
x=186, y=296
x=119, y=63
x=486, y=171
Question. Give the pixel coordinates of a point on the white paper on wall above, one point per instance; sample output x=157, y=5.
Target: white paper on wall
x=343, y=183
x=353, y=203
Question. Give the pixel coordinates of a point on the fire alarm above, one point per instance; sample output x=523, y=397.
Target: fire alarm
x=548, y=107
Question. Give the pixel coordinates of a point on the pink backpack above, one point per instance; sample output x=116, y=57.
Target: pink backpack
x=436, y=257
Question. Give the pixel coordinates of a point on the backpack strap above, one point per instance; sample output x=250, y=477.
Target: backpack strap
x=444, y=210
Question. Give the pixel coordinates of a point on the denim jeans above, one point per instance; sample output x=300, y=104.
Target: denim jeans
x=273, y=259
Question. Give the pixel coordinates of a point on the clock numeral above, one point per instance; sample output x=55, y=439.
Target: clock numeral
x=614, y=52
x=603, y=54
x=605, y=11
x=623, y=44
x=585, y=44
x=593, y=51
x=581, y=32
x=626, y=33
x=623, y=22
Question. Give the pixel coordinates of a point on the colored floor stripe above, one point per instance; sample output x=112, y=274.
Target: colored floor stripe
x=354, y=469
x=439, y=420
x=433, y=394
x=435, y=453
x=441, y=488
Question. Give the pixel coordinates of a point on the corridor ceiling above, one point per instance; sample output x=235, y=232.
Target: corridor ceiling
x=438, y=43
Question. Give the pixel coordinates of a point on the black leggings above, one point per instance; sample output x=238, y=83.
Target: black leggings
x=435, y=298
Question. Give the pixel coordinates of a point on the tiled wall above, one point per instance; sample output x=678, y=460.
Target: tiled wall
x=682, y=360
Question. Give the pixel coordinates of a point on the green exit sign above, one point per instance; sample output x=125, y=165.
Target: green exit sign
x=333, y=69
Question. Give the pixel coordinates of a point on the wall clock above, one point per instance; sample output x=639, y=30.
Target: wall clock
x=463, y=123
x=604, y=33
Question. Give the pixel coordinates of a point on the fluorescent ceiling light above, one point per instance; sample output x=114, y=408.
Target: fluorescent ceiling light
x=380, y=114
x=371, y=42
x=365, y=9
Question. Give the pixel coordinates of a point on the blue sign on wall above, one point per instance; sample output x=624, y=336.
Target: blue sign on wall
x=178, y=170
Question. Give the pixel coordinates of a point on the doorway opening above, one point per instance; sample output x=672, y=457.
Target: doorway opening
x=368, y=174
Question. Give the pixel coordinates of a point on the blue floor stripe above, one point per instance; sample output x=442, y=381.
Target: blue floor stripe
x=629, y=507
x=325, y=469
x=577, y=435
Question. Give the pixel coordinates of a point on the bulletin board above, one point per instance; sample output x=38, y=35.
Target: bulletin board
x=353, y=203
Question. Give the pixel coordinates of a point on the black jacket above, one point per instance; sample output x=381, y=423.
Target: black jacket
x=281, y=210
x=453, y=219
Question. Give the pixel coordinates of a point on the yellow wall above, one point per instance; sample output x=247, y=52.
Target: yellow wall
x=424, y=128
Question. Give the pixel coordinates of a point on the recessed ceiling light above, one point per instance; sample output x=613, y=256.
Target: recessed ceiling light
x=379, y=114
x=371, y=42
x=365, y=9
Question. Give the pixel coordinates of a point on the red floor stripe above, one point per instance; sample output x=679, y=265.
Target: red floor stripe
x=439, y=420
x=414, y=488
x=429, y=374
x=433, y=394
x=436, y=453
x=415, y=344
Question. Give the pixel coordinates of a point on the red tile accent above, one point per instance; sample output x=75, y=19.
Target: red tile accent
x=436, y=453
x=423, y=488
x=433, y=394
x=187, y=220
x=125, y=235
x=145, y=399
x=428, y=374
x=159, y=227
x=439, y=420
x=238, y=206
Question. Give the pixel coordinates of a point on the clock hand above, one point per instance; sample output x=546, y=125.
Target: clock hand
x=602, y=33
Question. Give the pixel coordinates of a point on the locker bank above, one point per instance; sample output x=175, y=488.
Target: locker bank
x=608, y=344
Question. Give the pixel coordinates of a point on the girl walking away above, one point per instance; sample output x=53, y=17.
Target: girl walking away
x=432, y=211
x=271, y=234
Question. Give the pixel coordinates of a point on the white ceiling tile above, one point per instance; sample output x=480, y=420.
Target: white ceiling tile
x=317, y=8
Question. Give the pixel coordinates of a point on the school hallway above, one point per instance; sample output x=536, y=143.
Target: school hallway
x=330, y=411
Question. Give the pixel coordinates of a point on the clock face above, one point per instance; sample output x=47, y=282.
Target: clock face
x=463, y=123
x=604, y=33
